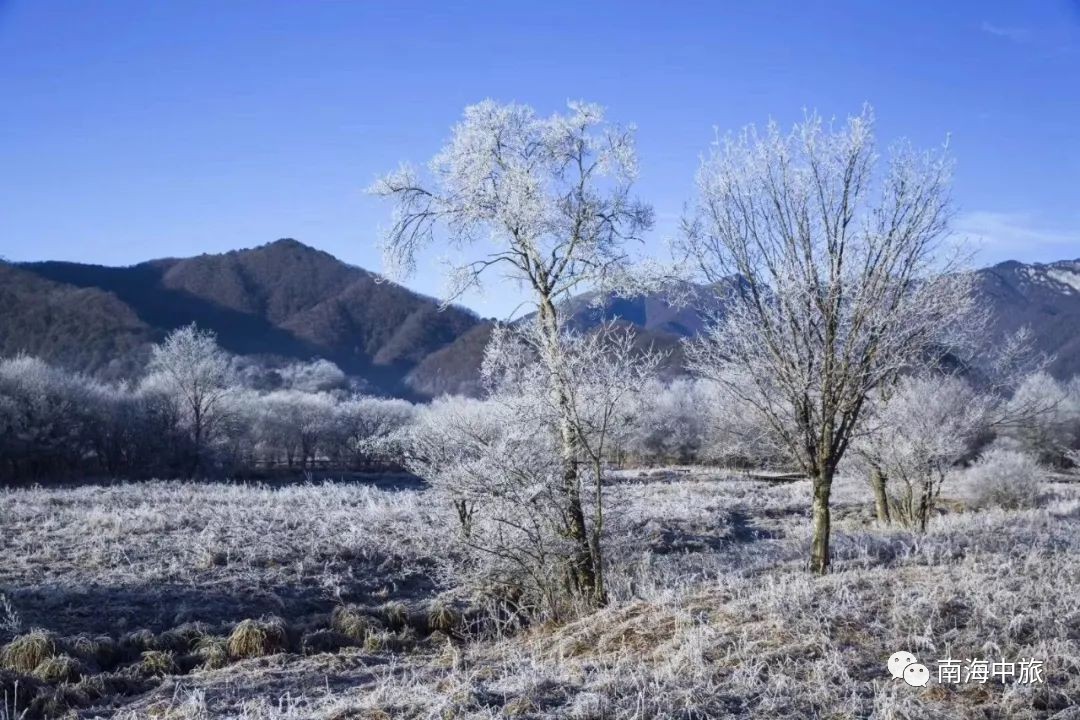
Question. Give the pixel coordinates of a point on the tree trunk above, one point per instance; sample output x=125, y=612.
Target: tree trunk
x=583, y=563
x=819, y=544
x=584, y=578
x=881, y=498
x=600, y=594
x=196, y=461
x=926, y=503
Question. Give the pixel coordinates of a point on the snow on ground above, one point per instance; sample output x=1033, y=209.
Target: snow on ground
x=1069, y=278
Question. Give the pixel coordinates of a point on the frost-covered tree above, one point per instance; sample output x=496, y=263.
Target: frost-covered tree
x=913, y=434
x=674, y=423
x=195, y=374
x=315, y=376
x=365, y=429
x=832, y=278
x=46, y=417
x=497, y=461
x=296, y=424
x=604, y=374
x=551, y=198
x=698, y=420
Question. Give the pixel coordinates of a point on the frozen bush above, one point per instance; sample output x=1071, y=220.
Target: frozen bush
x=1005, y=478
x=697, y=421
x=911, y=435
x=1042, y=418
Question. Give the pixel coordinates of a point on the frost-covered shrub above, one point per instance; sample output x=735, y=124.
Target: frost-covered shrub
x=1043, y=418
x=256, y=638
x=673, y=423
x=497, y=478
x=1006, y=479
x=911, y=437
x=524, y=470
x=696, y=421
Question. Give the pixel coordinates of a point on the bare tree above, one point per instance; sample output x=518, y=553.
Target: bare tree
x=552, y=195
x=833, y=280
x=195, y=372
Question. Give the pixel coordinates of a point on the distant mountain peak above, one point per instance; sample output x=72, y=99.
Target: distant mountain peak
x=288, y=242
x=1061, y=276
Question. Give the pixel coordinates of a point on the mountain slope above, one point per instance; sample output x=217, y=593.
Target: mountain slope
x=82, y=328
x=283, y=299
x=1045, y=298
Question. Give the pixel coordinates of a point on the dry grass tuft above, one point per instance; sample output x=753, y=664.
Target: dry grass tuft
x=134, y=643
x=106, y=685
x=181, y=639
x=213, y=651
x=59, y=668
x=158, y=663
x=26, y=652
x=352, y=622
x=378, y=641
x=443, y=617
x=258, y=638
x=99, y=652
x=395, y=614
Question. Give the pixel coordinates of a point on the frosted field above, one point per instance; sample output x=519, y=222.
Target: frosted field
x=142, y=590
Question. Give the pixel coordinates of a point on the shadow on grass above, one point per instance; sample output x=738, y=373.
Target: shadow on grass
x=114, y=610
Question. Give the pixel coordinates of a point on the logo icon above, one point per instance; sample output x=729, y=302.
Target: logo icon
x=903, y=664
x=916, y=675
x=899, y=661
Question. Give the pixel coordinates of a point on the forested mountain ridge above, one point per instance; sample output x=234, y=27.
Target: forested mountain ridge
x=286, y=300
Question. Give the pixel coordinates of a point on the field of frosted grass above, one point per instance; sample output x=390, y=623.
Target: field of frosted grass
x=712, y=614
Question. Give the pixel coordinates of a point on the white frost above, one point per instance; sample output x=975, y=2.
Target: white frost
x=1065, y=277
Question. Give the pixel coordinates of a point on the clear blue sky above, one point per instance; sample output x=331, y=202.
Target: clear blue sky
x=138, y=129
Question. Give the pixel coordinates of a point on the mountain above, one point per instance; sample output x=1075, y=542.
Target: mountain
x=288, y=301
x=280, y=300
x=1044, y=297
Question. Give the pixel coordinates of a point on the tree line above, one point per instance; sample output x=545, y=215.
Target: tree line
x=197, y=412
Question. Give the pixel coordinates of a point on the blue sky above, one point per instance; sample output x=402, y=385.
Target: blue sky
x=132, y=130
